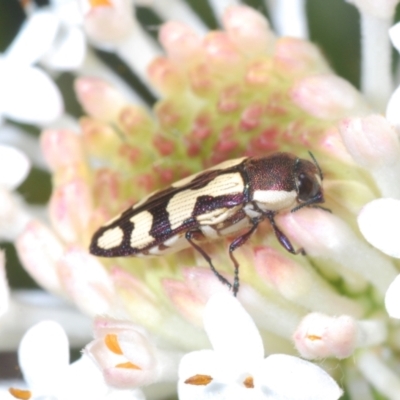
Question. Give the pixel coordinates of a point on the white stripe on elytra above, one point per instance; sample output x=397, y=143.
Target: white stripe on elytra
x=110, y=238
x=141, y=232
x=181, y=206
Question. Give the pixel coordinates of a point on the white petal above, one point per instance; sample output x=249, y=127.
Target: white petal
x=14, y=167
x=34, y=39
x=68, y=54
x=202, y=362
x=392, y=298
x=379, y=222
x=392, y=108
x=44, y=356
x=394, y=34
x=14, y=136
x=28, y=94
x=232, y=332
x=287, y=377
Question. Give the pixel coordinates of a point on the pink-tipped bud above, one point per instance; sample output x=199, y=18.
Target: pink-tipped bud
x=70, y=210
x=288, y=277
x=259, y=73
x=109, y=23
x=327, y=97
x=139, y=301
x=324, y=235
x=300, y=284
x=220, y=50
x=39, y=250
x=99, y=138
x=202, y=281
x=180, y=42
x=298, y=56
x=165, y=76
x=332, y=143
x=185, y=301
x=248, y=30
x=373, y=143
x=86, y=282
x=371, y=140
x=98, y=98
x=320, y=336
x=251, y=117
x=61, y=148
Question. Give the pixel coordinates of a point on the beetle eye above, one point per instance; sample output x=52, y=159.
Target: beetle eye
x=307, y=187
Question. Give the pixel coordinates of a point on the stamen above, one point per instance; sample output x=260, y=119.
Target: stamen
x=111, y=341
x=100, y=3
x=249, y=382
x=20, y=394
x=199, y=380
x=128, y=365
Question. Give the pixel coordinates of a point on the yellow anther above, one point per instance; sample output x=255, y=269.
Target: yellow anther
x=100, y=3
x=111, y=341
x=20, y=394
x=199, y=380
x=249, y=382
x=128, y=365
x=313, y=337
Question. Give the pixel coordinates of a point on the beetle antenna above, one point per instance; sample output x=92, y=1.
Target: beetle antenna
x=317, y=165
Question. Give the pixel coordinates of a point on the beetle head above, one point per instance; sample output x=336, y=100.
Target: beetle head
x=308, y=182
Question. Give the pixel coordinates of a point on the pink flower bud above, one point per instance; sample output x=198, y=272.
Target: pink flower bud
x=320, y=336
x=251, y=117
x=98, y=98
x=110, y=23
x=327, y=97
x=86, y=282
x=296, y=56
x=135, y=122
x=70, y=210
x=322, y=234
x=373, y=143
x=220, y=51
x=248, y=30
x=61, y=148
x=100, y=139
x=185, y=301
x=332, y=143
x=39, y=250
x=180, y=42
x=165, y=76
x=371, y=140
x=300, y=284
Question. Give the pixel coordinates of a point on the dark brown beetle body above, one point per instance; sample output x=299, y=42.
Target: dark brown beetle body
x=227, y=199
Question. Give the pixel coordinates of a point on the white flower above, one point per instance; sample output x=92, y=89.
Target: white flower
x=44, y=360
x=27, y=93
x=237, y=369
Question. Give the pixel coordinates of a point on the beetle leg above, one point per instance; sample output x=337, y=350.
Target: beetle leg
x=239, y=241
x=283, y=239
x=189, y=236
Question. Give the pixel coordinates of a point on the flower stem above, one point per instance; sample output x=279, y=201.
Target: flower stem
x=376, y=79
x=289, y=17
